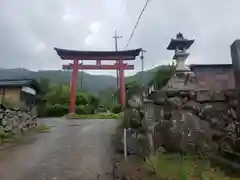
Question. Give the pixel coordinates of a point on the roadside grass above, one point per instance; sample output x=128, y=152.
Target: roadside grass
x=42, y=128
x=94, y=116
x=8, y=140
x=18, y=136
x=11, y=138
x=123, y=123
x=172, y=166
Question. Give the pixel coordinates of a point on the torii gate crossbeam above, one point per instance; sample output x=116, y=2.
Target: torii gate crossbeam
x=74, y=55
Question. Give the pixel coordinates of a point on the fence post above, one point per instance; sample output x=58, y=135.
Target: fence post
x=125, y=143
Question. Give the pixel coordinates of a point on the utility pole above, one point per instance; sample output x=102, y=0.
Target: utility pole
x=143, y=84
x=116, y=37
x=142, y=60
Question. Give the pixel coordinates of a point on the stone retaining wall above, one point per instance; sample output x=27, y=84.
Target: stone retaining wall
x=185, y=120
x=14, y=120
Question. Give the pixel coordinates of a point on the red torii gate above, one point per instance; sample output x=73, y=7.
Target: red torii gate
x=119, y=56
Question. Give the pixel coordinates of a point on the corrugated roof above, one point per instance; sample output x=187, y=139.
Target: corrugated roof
x=210, y=65
x=20, y=82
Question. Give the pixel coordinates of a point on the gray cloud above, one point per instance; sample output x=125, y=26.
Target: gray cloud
x=31, y=28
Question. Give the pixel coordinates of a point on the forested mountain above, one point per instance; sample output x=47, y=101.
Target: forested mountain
x=91, y=83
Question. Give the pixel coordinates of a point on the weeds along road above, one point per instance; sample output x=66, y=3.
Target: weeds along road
x=72, y=150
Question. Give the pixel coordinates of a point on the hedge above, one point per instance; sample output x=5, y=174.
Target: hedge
x=58, y=110
x=117, y=109
x=95, y=116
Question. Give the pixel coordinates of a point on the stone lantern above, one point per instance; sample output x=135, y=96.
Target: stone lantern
x=183, y=77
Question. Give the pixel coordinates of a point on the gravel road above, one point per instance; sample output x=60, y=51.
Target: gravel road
x=72, y=150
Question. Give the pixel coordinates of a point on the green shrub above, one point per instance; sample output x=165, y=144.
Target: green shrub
x=89, y=109
x=80, y=110
x=61, y=110
x=56, y=110
x=117, y=109
x=41, y=109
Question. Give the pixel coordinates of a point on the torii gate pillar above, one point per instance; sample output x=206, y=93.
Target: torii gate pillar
x=73, y=90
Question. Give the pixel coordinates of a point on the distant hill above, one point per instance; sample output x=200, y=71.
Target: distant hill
x=91, y=83
x=146, y=75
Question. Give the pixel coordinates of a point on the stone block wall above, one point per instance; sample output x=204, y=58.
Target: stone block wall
x=15, y=120
x=185, y=120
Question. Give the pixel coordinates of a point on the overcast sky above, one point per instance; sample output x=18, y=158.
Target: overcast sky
x=30, y=29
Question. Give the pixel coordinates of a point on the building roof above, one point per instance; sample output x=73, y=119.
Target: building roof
x=97, y=55
x=211, y=66
x=20, y=82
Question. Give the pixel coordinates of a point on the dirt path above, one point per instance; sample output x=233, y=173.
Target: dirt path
x=73, y=150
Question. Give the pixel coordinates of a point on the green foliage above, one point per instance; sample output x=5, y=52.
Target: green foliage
x=56, y=110
x=171, y=166
x=42, y=128
x=81, y=99
x=89, y=109
x=152, y=163
x=148, y=75
x=131, y=88
x=80, y=110
x=162, y=75
x=107, y=97
x=45, y=85
x=41, y=109
x=58, y=94
x=91, y=83
x=95, y=116
x=93, y=100
x=132, y=85
x=57, y=97
x=117, y=109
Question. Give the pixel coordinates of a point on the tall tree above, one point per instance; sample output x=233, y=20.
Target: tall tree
x=45, y=85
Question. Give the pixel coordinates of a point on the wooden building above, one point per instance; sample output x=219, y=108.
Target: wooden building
x=214, y=76
x=19, y=91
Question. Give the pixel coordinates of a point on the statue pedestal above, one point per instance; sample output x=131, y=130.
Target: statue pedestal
x=184, y=80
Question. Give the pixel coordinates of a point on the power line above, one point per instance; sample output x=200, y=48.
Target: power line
x=138, y=20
